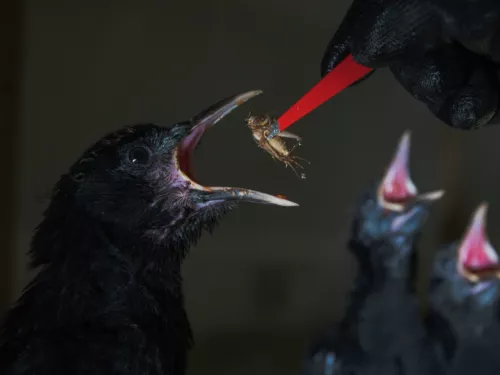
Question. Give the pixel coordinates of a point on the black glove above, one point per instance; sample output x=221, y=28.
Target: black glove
x=446, y=53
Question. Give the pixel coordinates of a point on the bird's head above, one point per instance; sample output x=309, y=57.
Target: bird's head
x=465, y=280
x=392, y=212
x=140, y=180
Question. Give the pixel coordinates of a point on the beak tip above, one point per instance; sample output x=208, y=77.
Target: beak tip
x=243, y=98
x=403, y=149
x=404, y=146
x=281, y=201
x=483, y=208
x=434, y=196
x=479, y=217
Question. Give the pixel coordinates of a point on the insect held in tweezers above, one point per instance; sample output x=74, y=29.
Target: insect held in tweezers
x=276, y=146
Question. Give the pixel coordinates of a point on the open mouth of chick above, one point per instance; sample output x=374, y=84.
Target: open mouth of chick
x=477, y=260
x=185, y=150
x=397, y=190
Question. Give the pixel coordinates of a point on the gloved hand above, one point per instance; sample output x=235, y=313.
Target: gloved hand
x=446, y=53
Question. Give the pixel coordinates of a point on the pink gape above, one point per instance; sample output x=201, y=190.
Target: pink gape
x=397, y=185
x=475, y=253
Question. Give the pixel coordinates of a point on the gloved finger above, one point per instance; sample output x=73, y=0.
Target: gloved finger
x=338, y=47
x=390, y=30
x=434, y=76
x=475, y=104
x=454, y=83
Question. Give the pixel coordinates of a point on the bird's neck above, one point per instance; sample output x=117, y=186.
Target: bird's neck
x=91, y=269
x=383, y=298
x=93, y=284
x=378, y=271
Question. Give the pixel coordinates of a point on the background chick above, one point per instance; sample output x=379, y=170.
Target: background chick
x=464, y=296
x=382, y=331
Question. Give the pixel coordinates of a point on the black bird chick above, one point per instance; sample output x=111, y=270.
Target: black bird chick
x=464, y=298
x=108, y=298
x=382, y=332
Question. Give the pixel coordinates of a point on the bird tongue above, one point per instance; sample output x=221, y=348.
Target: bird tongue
x=475, y=253
x=397, y=186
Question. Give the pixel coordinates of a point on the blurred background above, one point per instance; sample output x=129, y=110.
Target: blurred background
x=269, y=278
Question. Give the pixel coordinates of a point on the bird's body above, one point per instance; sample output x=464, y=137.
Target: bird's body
x=382, y=331
x=104, y=309
x=478, y=354
x=464, y=302
x=384, y=318
x=108, y=295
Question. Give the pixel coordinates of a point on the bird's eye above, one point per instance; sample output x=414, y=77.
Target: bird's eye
x=139, y=156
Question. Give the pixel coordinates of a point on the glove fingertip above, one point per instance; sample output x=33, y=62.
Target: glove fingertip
x=469, y=109
x=475, y=104
x=333, y=56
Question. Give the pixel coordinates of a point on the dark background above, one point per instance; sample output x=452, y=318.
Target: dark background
x=269, y=278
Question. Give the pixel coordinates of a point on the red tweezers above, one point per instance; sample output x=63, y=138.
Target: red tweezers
x=345, y=74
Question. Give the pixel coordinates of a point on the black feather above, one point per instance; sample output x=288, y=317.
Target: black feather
x=108, y=295
x=382, y=331
x=464, y=317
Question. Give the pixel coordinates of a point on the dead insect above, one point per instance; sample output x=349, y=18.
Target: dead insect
x=261, y=127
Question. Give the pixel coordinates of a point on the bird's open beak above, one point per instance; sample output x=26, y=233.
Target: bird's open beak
x=397, y=189
x=477, y=259
x=184, y=155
